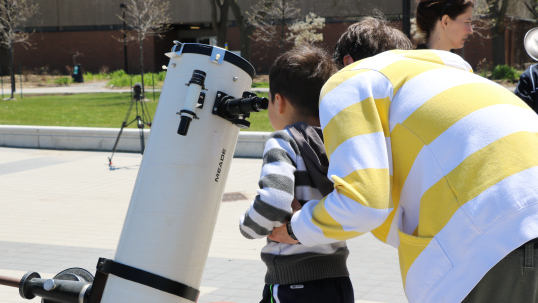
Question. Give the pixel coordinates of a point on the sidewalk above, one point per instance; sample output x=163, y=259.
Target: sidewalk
x=62, y=209
x=93, y=87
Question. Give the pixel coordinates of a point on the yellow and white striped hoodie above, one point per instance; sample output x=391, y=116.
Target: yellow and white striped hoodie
x=433, y=160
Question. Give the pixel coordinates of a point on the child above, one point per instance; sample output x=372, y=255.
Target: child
x=295, y=171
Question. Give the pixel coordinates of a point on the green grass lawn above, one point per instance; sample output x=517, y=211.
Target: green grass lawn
x=87, y=110
x=260, y=121
x=260, y=84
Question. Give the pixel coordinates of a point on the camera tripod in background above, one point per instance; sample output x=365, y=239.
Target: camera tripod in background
x=142, y=119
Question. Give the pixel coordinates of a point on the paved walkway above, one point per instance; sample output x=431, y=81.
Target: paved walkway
x=62, y=209
x=94, y=87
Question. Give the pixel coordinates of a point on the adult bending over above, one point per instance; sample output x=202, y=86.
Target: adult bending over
x=438, y=162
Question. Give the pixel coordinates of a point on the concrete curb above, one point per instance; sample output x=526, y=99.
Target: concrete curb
x=249, y=144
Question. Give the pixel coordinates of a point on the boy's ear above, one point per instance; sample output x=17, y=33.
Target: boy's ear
x=280, y=103
x=347, y=60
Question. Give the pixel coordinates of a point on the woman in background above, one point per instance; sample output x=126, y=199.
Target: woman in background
x=445, y=23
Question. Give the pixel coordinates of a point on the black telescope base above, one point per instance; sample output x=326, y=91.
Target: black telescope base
x=107, y=266
x=76, y=285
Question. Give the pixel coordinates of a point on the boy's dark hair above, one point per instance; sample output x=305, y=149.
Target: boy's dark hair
x=299, y=75
x=430, y=11
x=367, y=38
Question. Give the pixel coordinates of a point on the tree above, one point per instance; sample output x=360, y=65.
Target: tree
x=267, y=18
x=145, y=18
x=245, y=28
x=302, y=32
x=496, y=14
x=493, y=13
x=532, y=6
x=220, y=27
x=13, y=16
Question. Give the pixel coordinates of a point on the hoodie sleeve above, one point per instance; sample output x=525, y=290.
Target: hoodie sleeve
x=272, y=206
x=354, y=118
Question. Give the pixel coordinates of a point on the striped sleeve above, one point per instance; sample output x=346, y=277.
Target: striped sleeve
x=272, y=205
x=354, y=116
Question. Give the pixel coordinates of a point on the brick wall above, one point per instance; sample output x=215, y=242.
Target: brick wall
x=99, y=48
x=263, y=55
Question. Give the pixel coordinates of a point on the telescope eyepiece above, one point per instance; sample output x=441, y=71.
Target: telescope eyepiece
x=243, y=106
x=236, y=110
x=260, y=103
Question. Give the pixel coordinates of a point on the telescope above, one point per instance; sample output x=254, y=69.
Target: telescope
x=171, y=217
x=137, y=91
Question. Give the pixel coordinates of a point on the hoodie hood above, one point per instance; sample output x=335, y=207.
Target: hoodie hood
x=309, y=139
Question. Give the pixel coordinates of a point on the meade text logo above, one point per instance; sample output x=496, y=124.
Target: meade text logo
x=220, y=165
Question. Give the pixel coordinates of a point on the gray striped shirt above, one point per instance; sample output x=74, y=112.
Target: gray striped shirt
x=283, y=177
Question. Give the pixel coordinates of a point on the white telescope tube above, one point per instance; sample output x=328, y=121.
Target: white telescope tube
x=179, y=187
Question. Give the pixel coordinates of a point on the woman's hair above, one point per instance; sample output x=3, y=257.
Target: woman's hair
x=430, y=11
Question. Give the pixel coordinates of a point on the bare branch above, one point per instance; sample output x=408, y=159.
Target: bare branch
x=266, y=15
x=13, y=16
x=146, y=18
x=532, y=6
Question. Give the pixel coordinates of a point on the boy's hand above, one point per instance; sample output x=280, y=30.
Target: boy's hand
x=280, y=234
x=295, y=205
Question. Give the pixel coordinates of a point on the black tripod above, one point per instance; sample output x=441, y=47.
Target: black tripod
x=141, y=119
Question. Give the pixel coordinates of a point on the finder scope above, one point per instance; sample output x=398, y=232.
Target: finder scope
x=191, y=101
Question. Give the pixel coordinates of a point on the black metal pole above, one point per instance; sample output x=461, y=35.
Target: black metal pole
x=406, y=16
x=2, y=77
x=125, y=45
x=124, y=7
x=20, y=76
x=124, y=124
x=153, y=79
x=131, y=86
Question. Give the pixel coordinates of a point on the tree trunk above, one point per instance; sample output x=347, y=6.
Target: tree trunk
x=223, y=24
x=245, y=30
x=142, y=67
x=12, y=71
x=282, y=22
x=497, y=31
x=245, y=42
x=220, y=27
x=497, y=43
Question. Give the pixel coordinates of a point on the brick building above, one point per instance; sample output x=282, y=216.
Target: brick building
x=92, y=28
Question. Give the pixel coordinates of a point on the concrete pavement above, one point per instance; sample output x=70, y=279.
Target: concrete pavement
x=62, y=209
x=92, y=87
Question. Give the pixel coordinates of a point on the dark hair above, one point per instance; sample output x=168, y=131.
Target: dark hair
x=430, y=11
x=367, y=38
x=299, y=75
